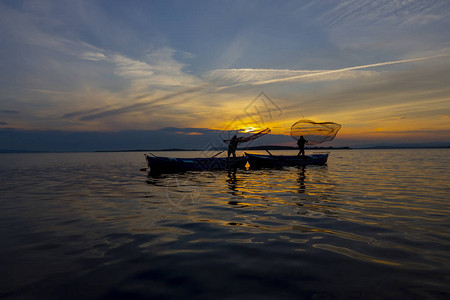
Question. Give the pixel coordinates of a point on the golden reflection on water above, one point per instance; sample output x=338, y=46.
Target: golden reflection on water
x=389, y=209
x=354, y=254
x=349, y=201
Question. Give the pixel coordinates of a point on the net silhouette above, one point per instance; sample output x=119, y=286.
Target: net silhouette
x=314, y=132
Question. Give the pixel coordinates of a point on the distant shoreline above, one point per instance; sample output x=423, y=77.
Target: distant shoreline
x=223, y=149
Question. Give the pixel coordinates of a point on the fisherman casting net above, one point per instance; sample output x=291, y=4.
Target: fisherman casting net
x=314, y=132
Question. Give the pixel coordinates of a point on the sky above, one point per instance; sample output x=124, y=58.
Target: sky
x=194, y=69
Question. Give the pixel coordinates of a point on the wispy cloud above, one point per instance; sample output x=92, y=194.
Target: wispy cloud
x=231, y=77
x=152, y=82
x=234, y=51
x=8, y=111
x=264, y=77
x=81, y=113
x=94, y=56
x=141, y=105
x=222, y=79
x=381, y=11
x=157, y=69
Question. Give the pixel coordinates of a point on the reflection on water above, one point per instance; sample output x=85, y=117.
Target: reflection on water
x=92, y=225
x=301, y=180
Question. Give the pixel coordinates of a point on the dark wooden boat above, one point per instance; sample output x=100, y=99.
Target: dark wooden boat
x=159, y=164
x=267, y=161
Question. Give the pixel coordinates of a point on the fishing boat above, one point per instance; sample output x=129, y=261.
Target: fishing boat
x=266, y=161
x=160, y=164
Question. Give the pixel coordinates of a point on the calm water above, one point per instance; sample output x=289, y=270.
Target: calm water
x=371, y=224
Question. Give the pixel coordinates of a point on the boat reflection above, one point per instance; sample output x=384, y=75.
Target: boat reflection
x=307, y=188
x=232, y=179
x=232, y=182
x=267, y=179
x=268, y=187
x=301, y=180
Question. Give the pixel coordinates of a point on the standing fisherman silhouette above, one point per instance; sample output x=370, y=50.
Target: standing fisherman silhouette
x=232, y=145
x=301, y=145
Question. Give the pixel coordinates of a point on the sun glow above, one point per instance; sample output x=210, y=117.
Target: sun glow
x=249, y=129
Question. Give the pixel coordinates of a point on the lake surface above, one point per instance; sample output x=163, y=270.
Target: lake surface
x=371, y=224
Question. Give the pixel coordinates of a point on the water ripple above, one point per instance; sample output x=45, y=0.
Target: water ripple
x=373, y=218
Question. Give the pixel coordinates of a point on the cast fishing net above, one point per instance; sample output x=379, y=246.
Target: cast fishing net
x=254, y=136
x=314, y=132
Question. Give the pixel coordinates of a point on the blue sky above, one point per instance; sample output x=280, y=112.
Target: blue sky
x=379, y=68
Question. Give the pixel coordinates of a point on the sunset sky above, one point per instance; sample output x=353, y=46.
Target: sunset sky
x=381, y=69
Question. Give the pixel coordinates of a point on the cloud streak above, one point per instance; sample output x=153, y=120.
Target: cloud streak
x=382, y=11
x=244, y=77
x=8, y=111
x=228, y=77
x=140, y=106
x=323, y=74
